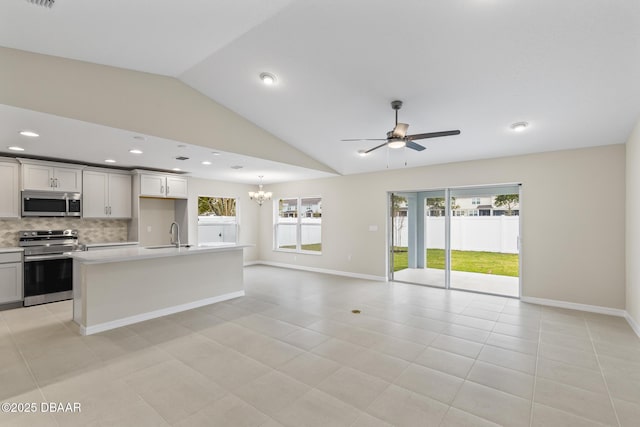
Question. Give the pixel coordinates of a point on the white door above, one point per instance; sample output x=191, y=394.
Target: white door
x=10, y=282
x=119, y=196
x=94, y=196
x=177, y=187
x=67, y=179
x=152, y=185
x=37, y=177
x=9, y=191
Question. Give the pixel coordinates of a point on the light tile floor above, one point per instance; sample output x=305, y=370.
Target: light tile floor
x=465, y=280
x=292, y=353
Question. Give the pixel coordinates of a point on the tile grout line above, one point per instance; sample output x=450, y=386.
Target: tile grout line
x=535, y=371
x=613, y=406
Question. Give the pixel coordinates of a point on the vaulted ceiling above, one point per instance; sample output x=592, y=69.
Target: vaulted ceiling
x=569, y=69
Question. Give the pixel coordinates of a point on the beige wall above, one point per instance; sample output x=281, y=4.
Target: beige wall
x=633, y=224
x=247, y=210
x=140, y=102
x=566, y=197
x=156, y=216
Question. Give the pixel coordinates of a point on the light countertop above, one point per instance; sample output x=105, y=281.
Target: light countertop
x=138, y=253
x=11, y=249
x=110, y=244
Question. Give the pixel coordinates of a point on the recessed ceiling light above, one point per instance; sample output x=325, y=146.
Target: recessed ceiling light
x=139, y=137
x=519, y=127
x=206, y=163
x=135, y=151
x=176, y=169
x=29, y=133
x=109, y=161
x=181, y=145
x=15, y=148
x=215, y=153
x=362, y=153
x=268, y=79
x=237, y=167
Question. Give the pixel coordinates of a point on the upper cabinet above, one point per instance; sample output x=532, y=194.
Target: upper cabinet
x=106, y=194
x=163, y=185
x=47, y=176
x=9, y=189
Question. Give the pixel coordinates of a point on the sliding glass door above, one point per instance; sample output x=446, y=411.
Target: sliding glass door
x=458, y=238
x=418, y=228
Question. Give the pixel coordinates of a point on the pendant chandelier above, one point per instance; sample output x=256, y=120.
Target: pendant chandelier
x=260, y=196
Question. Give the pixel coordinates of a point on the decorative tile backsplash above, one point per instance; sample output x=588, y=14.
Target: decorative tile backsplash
x=89, y=230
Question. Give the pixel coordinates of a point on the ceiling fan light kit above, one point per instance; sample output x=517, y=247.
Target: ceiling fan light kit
x=398, y=138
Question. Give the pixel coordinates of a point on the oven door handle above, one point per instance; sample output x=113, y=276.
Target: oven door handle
x=30, y=258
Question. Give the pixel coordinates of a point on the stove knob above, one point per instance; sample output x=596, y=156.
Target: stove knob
x=25, y=234
x=33, y=233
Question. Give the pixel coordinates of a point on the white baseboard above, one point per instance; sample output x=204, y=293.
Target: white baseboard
x=323, y=270
x=575, y=306
x=89, y=330
x=248, y=263
x=632, y=322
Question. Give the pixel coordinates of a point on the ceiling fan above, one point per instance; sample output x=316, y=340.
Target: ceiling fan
x=398, y=138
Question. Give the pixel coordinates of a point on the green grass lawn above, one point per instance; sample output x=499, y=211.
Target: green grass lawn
x=309, y=247
x=472, y=261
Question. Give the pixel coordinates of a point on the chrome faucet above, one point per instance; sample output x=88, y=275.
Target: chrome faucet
x=177, y=239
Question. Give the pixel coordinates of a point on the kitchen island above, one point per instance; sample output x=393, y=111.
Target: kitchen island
x=120, y=287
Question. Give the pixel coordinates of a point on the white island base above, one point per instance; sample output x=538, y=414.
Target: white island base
x=124, y=286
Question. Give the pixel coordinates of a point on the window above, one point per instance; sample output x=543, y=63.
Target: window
x=217, y=220
x=298, y=225
x=475, y=201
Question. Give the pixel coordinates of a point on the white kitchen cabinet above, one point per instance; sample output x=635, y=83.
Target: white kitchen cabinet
x=106, y=194
x=10, y=277
x=44, y=176
x=9, y=189
x=159, y=185
x=177, y=187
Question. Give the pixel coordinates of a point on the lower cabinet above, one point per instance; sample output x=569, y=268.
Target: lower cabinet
x=10, y=277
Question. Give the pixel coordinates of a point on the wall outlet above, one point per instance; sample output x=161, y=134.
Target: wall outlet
x=373, y=228
x=148, y=229
x=295, y=258
x=349, y=257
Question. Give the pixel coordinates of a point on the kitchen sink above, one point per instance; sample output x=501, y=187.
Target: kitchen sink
x=166, y=246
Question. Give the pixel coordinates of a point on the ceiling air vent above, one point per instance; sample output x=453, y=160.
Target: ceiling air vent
x=182, y=158
x=44, y=3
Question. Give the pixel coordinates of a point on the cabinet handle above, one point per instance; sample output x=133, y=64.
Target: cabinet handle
x=105, y=210
x=50, y=182
x=162, y=189
x=167, y=189
x=55, y=182
x=109, y=210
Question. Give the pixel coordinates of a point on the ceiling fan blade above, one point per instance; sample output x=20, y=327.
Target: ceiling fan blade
x=365, y=139
x=400, y=130
x=414, y=146
x=432, y=134
x=375, y=148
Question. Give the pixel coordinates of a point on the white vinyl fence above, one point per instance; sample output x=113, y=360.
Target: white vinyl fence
x=310, y=229
x=468, y=233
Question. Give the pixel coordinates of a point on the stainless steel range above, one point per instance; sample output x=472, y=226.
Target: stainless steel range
x=48, y=266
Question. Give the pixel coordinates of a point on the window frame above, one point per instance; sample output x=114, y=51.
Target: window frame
x=300, y=217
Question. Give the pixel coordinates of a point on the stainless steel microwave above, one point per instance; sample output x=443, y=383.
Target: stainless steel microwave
x=49, y=203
